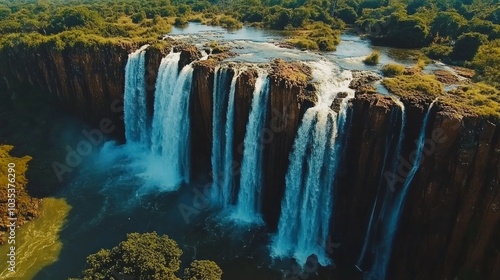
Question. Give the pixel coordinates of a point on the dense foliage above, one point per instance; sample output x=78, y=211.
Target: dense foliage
x=203, y=270
x=146, y=256
x=451, y=30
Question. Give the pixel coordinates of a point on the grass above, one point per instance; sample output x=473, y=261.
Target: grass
x=418, y=86
x=479, y=99
x=391, y=70
x=372, y=59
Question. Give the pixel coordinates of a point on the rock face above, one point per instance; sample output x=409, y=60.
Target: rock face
x=89, y=84
x=451, y=219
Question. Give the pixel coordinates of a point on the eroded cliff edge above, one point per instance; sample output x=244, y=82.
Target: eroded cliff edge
x=450, y=224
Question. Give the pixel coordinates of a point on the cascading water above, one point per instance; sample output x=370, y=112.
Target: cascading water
x=171, y=123
x=384, y=194
x=135, y=113
x=218, y=140
x=228, y=181
x=307, y=205
x=391, y=212
x=248, y=202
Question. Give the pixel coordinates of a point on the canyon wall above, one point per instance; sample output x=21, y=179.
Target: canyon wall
x=450, y=223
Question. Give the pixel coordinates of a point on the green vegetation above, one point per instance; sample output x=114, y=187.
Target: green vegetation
x=417, y=86
x=316, y=36
x=487, y=63
x=146, y=256
x=391, y=70
x=27, y=206
x=203, y=270
x=437, y=51
x=372, y=59
x=135, y=21
x=449, y=30
x=479, y=99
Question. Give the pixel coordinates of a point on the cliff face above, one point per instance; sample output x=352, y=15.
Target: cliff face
x=451, y=219
x=451, y=223
x=89, y=84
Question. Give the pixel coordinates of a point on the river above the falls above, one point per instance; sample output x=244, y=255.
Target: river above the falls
x=254, y=45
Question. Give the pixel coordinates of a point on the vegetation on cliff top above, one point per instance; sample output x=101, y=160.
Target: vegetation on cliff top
x=26, y=206
x=477, y=99
x=146, y=256
x=298, y=74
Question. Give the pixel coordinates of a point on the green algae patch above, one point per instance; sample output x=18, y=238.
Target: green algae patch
x=37, y=242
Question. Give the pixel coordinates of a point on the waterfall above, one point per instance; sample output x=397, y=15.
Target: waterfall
x=307, y=205
x=391, y=213
x=228, y=182
x=248, y=202
x=135, y=113
x=384, y=193
x=218, y=137
x=171, y=124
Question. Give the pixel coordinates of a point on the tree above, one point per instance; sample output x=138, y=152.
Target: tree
x=203, y=270
x=143, y=256
x=68, y=18
x=467, y=45
x=146, y=256
x=448, y=24
x=487, y=63
x=139, y=17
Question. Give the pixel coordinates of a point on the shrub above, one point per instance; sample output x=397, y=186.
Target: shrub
x=372, y=59
x=326, y=43
x=229, y=22
x=138, y=17
x=347, y=14
x=180, y=21
x=391, y=70
x=436, y=51
x=467, y=45
x=487, y=63
x=303, y=43
x=69, y=18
